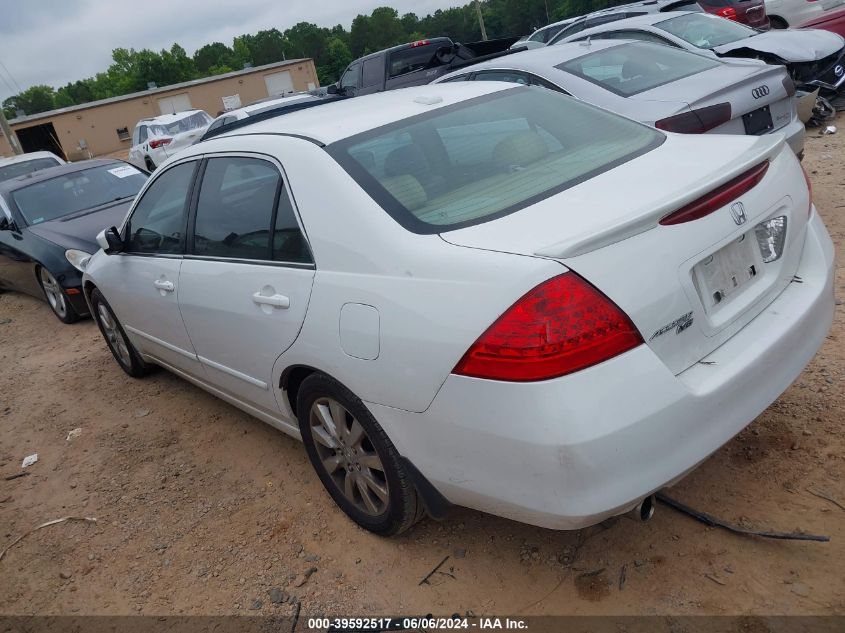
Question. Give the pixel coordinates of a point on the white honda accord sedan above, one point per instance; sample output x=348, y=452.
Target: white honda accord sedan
x=479, y=294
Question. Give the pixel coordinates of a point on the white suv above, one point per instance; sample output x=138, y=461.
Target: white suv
x=157, y=139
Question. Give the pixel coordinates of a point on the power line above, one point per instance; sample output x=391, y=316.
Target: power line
x=17, y=85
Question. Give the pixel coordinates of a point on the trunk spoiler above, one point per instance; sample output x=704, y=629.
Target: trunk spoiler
x=641, y=220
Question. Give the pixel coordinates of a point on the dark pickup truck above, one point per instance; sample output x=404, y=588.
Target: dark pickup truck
x=415, y=64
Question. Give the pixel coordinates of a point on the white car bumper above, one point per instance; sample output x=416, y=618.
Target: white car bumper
x=570, y=452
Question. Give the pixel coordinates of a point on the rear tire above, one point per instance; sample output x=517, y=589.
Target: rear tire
x=355, y=460
x=56, y=297
x=119, y=344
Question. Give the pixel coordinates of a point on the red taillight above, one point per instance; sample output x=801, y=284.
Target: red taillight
x=696, y=121
x=561, y=326
x=727, y=12
x=789, y=86
x=160, y=142
x=420, y=43
x=809, y=191
x=717, y=198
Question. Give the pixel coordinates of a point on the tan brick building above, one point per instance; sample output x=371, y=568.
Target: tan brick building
x=105, y=127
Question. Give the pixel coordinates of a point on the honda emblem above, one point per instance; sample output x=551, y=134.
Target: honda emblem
x=759, y=92
x=738, y=213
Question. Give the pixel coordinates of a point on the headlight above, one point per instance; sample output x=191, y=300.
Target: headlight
x=78, y=259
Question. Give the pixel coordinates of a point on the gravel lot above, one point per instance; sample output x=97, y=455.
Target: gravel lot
x=203, y=510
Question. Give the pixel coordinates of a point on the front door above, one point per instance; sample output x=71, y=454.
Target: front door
x=143, y=285
x=246, y=282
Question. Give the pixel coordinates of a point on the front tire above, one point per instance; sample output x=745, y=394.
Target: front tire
x=778, y=22
x=151, y=166
x=56, y=297
x=356, y=461
x=119, y=344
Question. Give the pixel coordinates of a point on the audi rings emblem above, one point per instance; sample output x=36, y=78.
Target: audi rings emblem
x=760, y=92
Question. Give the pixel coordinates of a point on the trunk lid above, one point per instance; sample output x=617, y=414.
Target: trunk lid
x=746, y=85
x=606, y=229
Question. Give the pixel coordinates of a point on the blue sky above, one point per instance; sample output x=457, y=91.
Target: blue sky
x=55, y=41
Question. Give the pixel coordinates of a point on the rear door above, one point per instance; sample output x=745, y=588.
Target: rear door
x=143, y=285
x=246, y=282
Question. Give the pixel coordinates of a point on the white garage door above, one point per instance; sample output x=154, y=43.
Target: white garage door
x=174, y=104
x=279, y=83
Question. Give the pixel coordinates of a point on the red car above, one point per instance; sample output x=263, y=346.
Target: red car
x=830, y=21
x=750, y=12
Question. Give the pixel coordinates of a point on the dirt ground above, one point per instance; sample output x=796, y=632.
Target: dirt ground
x=202, y=509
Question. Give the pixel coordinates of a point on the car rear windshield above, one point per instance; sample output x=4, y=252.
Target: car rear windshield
x=13, y=170
x=76, y=191
x=487, y=157
x=415, y=57
x=633, y=68
x=705, y=31
x=186, y=124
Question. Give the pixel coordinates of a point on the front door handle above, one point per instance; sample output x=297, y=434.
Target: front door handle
x=277, y=301
x=167, y=286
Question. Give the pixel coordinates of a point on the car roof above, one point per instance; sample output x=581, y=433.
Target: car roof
x=347, y=117
x=53, y=172
x=539, y=60
x=20, y=158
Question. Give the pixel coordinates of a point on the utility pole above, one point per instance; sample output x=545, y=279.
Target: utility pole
x=10, y=136
x=480, y=20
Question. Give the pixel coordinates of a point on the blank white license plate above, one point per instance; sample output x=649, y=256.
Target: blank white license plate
x=724, y=274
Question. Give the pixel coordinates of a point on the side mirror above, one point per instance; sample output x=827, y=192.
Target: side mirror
x=332, y=89
x=110, y=240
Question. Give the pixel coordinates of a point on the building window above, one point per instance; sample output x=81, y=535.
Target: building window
x=123, y=133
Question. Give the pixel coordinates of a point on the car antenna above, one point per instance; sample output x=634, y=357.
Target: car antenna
x=586, y=42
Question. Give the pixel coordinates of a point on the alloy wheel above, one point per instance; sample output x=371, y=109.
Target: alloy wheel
x=349, y=457
x=113, y=335
x=53, y=292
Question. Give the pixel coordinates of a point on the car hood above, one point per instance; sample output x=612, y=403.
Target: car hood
x=791, y=45
x=80, y=230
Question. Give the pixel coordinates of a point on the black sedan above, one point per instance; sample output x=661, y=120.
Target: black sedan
x=49, y=220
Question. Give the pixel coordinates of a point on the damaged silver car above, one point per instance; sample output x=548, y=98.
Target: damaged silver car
x=813, y=58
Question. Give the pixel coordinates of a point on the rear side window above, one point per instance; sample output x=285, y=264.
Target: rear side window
x=235, y=208
x=157, y=225
x=373, y=72
x=487, y=157
x=630, y=69
x=413, y=58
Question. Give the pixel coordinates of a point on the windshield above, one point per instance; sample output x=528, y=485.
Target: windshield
x=13, y=170
x=633, y=68
x=196, y=120
x=487, y=157
x=77, y=191
x=705, y=31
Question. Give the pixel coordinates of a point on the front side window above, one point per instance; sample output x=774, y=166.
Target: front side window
x=78, y=191
x=630, y=69
x=13, y=170
x=640, y=36
x=235, y=208
x=157, y=225
x=569, y=29
x=706, y=31
x=350, y=77
x=487, y=157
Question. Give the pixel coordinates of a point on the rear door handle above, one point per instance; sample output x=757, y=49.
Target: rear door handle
x=167, y=286
x=277, y=301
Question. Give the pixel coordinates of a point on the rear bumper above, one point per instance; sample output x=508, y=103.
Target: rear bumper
x=795, y=133
x=570, y=452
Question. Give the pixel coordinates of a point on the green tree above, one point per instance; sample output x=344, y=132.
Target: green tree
x=338, y=58
x=33, y=100
x=216, y=54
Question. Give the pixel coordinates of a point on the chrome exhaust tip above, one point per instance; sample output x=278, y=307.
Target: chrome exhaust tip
x=645, y=509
